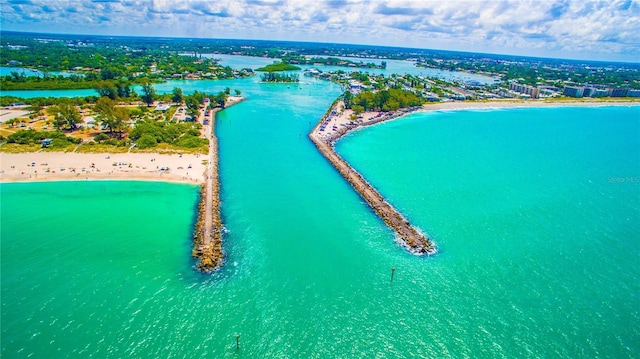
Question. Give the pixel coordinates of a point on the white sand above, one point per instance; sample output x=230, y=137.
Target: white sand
x=56, y=166
x=339, y=122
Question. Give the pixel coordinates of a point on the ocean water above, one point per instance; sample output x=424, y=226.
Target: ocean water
x=536, y=214
x=239, y=62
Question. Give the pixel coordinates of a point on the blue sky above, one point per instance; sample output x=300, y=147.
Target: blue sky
x=584, y=29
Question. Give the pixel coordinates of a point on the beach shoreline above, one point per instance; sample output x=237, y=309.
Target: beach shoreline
x=58, y=166
x=189, y=168
x=338, y=123
x=71, y=166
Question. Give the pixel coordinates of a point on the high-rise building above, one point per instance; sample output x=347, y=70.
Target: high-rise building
x=573, y=91
x=534, y=92
x=634, y=93
x=617, y=92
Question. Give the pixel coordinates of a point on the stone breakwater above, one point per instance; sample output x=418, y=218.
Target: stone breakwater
x=207, y=247
x=207, y=237
x=407, y=235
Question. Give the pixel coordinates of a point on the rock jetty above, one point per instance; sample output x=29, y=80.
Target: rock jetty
x=207, y=236
x=407, y=235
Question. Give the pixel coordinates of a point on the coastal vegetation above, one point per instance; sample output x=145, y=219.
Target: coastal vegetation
x=19, y=81
x=89, y=64
x=384, y=100
x=149, y=133
x=91, y=59
x=32, y=137
x=331, y=61
x=277, y=77
x=117, y=123
x=280, y=66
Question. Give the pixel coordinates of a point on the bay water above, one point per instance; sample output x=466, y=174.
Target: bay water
x=535, y=212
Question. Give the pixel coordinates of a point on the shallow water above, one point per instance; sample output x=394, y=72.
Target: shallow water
x=538, y=239
x=238, y=62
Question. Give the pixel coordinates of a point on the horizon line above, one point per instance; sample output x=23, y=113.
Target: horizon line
x=327, y=43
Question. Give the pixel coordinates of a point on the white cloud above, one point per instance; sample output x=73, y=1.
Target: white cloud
x=571, y=28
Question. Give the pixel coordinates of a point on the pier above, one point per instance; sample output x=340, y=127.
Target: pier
x=408, y=236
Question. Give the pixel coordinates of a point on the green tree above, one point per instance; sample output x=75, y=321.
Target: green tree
x=221, y=99
x=238, y=92
x=347, y=97
x=122, y=88
x=148, y=93
x=193, y=106
x=120, y=123
x=113, y=118
x=108, y=89
x=66, y=116
x=146, y=141
x=12, y=122
x=106, y=109
x=100, y=137
x=177, y=95
x=104, y=106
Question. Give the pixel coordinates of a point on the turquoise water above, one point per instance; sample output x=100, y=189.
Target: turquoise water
x=409, y=67
x=241, y=62
x=189, y=86
x=4, y=71
x=536, y=214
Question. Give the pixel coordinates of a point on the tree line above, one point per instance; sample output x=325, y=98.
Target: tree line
x=119, y=123
x=384, y=100
x=279, y=77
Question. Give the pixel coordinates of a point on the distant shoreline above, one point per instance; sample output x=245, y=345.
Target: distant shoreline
x=340, y=124
x=147, y=166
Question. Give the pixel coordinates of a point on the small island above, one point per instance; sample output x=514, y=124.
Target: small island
x=279, y=66
x=276, y=77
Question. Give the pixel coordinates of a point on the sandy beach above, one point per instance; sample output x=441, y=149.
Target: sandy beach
x=56, y=166
x=339, y=122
